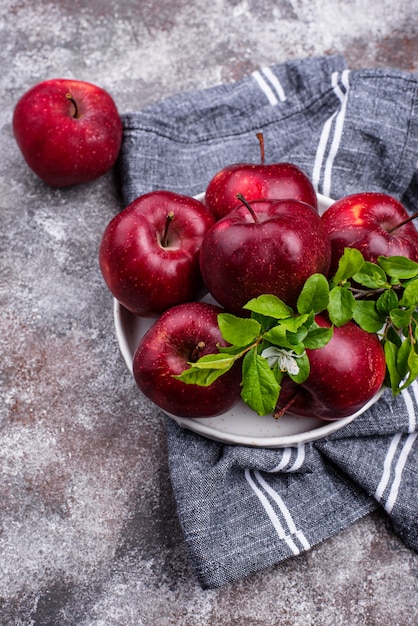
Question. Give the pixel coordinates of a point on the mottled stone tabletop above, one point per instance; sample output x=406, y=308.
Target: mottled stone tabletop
x=88, y=529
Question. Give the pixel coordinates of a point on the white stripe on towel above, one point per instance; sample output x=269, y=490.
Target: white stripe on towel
x=261, y=490
x=414, y=388
x=397, y=470
x=386, y=467
x=300, y=457
x=265, y=88
x=410, y=405
x=276, y=84
x=287, y=453
x=273, y=91
x=285, y=460
x=399, y=467
x=336, y=121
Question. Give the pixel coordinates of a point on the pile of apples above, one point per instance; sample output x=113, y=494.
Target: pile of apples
x=257, y=230
x=183, y=261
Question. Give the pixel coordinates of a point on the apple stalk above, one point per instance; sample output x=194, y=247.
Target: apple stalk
x=168, y=219
x=278, y=413
x=197, y=351
x=260, y=138
x=241, y=198
x=74, y=103
x=405, y=221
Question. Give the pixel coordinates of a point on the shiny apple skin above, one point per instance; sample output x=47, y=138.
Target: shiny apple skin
x=344, y=375
x=363, y=221
x=60, y=148
x=166, y=349
x=143, y=275
x=241, y=259
x=258, y=182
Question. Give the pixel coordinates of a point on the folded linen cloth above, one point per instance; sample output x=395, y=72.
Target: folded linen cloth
x=241, y=508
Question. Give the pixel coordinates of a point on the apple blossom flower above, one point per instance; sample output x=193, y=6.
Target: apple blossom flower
x=286, y=359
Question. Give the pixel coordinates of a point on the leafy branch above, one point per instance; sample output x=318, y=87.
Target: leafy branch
x=382, y=298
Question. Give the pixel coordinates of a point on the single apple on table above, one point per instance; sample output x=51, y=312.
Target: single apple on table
x=258, y=181
x=374, y=223
x=345, y=374
x=149, y=252
x=69, y=131
x=263, y=247
x=181, y=335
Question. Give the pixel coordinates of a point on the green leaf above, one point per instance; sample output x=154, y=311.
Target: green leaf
x=279, y=336
x=238, y=331
x=232, y=350
x=314, y=295
x=318, y=337
x=294, y=323
x=410, y=295
x=401, y=318
x=367, y=316
x=269, y=305
x=387, y=301
x=349, y=264
x=391, y=352
x=413, y=368
x=264, y=321
x=298, y=337
x=371, y=276
x=218, y=360
x=393, y=336
x=402, y=358
x=398, y=267
x=310, y=322
x=260, y=389
x=202, y=377
x=304, y=369
x=278, y=374
x=341, y=305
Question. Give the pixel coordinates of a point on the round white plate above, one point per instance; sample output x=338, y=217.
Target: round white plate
x=240, y=425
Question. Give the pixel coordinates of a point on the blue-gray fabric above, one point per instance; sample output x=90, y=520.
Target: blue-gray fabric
x=244, y=509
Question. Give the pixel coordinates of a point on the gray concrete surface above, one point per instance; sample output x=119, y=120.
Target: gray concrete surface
x=89, y=534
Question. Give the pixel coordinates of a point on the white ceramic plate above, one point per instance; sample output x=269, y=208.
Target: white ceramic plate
x=240, y=425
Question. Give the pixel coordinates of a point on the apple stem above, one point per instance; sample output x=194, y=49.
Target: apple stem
x=280, y=412
x=260, y=138
x=408, y=219
x=249, y=207
x=168, y=219
x=195, y=355
x=74, y=103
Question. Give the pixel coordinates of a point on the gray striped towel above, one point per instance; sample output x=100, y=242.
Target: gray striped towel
x=241, y=508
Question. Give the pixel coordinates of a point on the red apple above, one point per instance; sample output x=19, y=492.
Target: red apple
x=181, y=335
x=69, y=131
x=344, y=375
x=267, y=247
x=374, y=224
x=275, y=181
x=149, y=252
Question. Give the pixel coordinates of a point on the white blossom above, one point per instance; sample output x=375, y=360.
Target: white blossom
x=286, y=359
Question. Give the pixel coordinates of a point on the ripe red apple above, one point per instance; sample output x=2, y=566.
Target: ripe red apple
x=275, y=181
x=344, y=375
x=69, y=131
x=372, y=222
x=264, y=247
x=149, y=252
x=181, y=335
